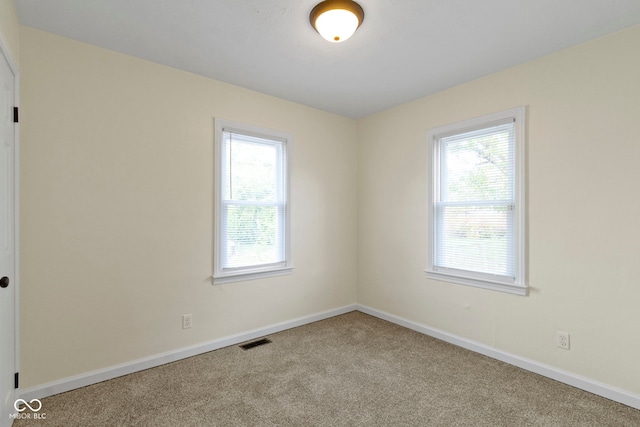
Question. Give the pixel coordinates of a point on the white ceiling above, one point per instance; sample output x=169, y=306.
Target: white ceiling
x=404, y=50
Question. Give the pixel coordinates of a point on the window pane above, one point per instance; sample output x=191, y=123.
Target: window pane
x=252, y=169
x=475, y=238
x=253, y=235
x=478, y=165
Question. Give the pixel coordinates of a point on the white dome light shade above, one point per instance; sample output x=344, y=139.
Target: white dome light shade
x=336, y=20
x=337, y=25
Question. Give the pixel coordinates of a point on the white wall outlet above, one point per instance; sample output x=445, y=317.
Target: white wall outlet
x=186, y=321
x=562, y=339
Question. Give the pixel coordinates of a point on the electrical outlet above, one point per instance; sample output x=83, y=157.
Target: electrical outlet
x=562, y=339
x=186, y=321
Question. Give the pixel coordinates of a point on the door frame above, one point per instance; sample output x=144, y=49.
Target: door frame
x=13, y=65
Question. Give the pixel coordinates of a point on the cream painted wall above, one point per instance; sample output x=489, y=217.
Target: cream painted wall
x=9, y=28
x=117, y=210
x=583, y=159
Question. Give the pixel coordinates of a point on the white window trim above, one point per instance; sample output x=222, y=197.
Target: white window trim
x=220, y=276
x=517, y=286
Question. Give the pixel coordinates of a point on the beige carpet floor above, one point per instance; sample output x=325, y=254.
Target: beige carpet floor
x=350, y=370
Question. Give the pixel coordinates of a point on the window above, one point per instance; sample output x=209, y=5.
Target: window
x=476, y=202
x=251, y=203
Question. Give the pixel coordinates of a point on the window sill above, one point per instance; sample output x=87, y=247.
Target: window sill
x=250, y=275
x=478, y=283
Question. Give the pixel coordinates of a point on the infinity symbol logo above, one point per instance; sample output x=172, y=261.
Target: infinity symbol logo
x=24, y=402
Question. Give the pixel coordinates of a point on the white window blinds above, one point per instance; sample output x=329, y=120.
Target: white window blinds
x=253, y=201
x=475, y=201
x=476, y=204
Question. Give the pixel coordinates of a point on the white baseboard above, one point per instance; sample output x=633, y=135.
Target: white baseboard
x=616, y=394
x=93, y=377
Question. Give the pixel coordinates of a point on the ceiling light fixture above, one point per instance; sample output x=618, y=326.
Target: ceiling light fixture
x=336, y=20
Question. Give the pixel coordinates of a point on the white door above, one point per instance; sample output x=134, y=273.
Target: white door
x=7, y=242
